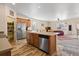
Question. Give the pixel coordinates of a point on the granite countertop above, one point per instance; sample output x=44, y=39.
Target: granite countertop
x=4, y=44
x=43, y=33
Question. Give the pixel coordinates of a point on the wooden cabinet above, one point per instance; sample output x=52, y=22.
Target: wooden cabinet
x=30, y=39
x=33, y=39
x=27, y=22
x=52, y=45
x=36, y=40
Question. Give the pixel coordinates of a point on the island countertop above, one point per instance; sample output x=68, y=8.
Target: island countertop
x=4, y=45
x=44, y=33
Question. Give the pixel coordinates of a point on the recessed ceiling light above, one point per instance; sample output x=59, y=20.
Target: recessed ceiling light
x=38, y=6
x=13, y=3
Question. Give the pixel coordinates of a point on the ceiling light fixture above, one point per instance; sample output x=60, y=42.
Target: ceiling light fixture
x=13, y=3
x=38, y=6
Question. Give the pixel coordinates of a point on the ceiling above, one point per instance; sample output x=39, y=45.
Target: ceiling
x=47, y=11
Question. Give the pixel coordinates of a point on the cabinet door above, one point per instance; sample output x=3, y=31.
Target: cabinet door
x=30, y=40
x=52, y=45
x=36, y=40
x=28, y=37
x=33, y=39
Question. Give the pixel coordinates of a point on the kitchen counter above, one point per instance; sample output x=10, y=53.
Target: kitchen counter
x=5, y=46
x=44, y=33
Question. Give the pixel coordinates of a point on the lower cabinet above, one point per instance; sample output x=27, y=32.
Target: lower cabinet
x=33, y=39
x=36, y=40
x=30, y=38
x=52, y=45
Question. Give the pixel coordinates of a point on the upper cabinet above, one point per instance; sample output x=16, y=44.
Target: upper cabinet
x=25, y=21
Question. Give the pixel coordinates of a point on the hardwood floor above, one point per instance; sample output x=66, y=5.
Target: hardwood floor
x=28, y=50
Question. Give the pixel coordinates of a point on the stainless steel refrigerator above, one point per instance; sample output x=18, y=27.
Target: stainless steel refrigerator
x=21, y=31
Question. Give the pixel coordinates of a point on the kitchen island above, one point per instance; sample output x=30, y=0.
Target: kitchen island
x=45, y=41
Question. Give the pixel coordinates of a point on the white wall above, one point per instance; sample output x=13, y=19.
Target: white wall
x=3, y=24
x=53, y=24
x=4, y=14
x=73, y=22
x=37, y=26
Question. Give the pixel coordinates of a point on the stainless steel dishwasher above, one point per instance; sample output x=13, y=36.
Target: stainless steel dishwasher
x=43, y=42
